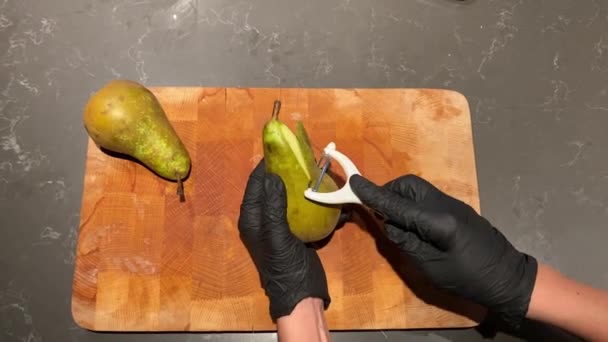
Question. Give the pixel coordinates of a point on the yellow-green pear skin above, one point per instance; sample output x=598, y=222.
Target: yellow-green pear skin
x=125, y=117
x=291, y=157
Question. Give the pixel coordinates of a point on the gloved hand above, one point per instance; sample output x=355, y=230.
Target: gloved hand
x=289, y=270
x=459, y=250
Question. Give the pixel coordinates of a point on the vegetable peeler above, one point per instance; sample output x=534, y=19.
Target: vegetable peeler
x=342, y=195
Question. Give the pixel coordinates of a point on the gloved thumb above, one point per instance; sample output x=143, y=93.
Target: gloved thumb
x=396, y=208
x=275, y=200
x=407, y=215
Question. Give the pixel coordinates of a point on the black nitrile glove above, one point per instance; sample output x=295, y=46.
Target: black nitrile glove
x=459, y=250
x=289, y=270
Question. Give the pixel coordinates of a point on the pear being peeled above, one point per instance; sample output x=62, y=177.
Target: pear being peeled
x=125, y=117
x=291, y=157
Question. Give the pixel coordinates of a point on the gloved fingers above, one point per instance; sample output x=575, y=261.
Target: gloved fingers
x=456, y=207
x=276, y=235
x=346, y=215
x=251, y=208
x=275, y=201
x=397, y=209
x=418, y=189
x=407, y=241
x=412, y=245
x=411, y=187
x=438, y=228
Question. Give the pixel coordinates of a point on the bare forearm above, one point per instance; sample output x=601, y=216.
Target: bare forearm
x=570, y=305
x=305, y=323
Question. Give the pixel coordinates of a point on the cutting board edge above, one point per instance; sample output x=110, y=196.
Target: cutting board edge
x=475, y=175
x=76, y=314
x=295, y=88
x=451, y=326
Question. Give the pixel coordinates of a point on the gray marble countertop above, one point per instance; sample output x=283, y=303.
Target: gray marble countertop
x=535, y=73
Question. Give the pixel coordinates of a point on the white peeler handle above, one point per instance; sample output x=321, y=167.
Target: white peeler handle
x=343, y=195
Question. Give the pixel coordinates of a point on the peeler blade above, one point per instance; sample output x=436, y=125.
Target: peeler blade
x=323, y=164
x=342, y=195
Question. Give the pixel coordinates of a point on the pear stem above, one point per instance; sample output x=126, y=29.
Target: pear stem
x=276, y=109
x=180, y=189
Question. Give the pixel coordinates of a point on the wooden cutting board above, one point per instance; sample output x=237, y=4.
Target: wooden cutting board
x=146, y=262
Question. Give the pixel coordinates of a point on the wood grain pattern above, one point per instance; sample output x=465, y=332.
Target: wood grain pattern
x=146, y=262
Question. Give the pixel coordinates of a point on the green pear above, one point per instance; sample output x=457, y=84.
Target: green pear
x=291, y=157
x=125, y=117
